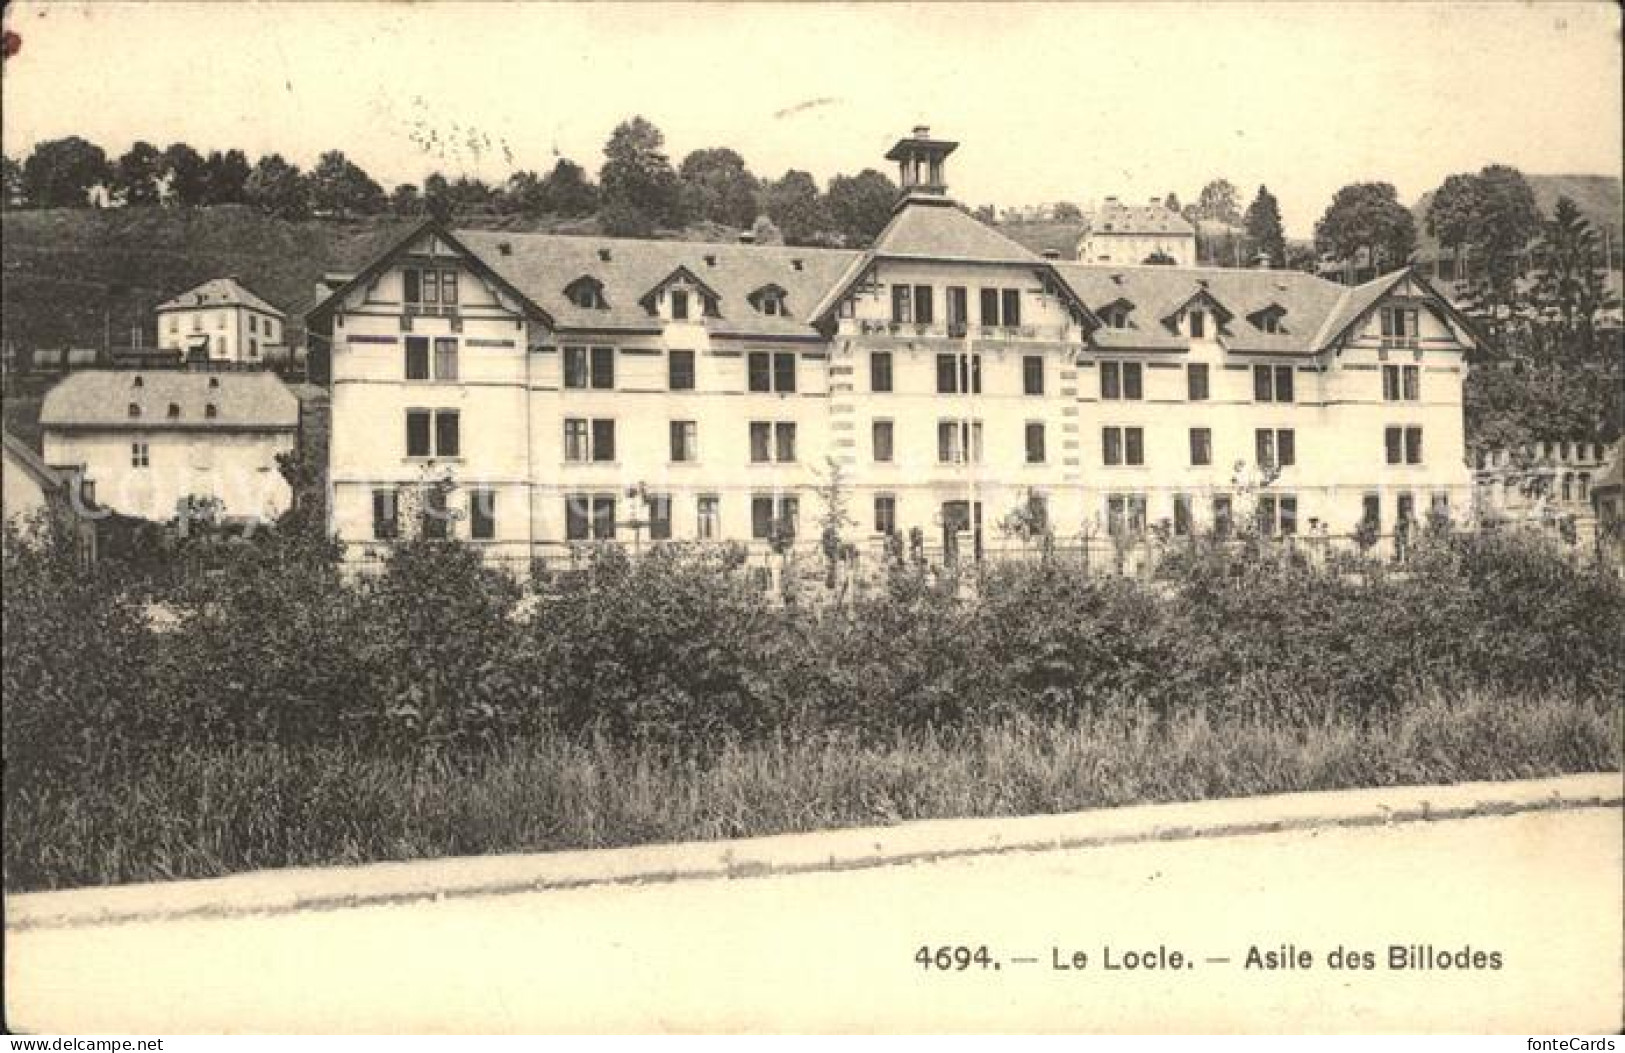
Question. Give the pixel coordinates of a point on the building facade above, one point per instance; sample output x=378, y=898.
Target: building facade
x=221, y=320
x=1130, y=235
x=546, y=390
x=1547, y=484
x=145, y=441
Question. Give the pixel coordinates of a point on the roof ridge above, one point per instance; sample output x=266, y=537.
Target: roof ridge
x=460, y=232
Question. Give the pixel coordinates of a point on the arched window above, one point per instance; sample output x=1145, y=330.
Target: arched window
x=587, y=292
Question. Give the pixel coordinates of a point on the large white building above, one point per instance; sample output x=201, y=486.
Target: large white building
x=566, y=389
x=222, y=320
x=1132, y=235
x=145, y=440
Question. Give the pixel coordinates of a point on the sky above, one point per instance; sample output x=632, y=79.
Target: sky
x=1050, y=102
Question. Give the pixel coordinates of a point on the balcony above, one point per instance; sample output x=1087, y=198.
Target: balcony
x=955, y=330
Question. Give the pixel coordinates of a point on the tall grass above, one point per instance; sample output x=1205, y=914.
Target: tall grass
x=208, y=811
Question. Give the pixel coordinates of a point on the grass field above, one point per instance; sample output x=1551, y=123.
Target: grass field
x=202, y=813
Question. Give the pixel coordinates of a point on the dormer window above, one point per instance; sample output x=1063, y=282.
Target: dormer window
x=1269, y=320
x=588, y=293
x=770, y=300
x=679, y=304
x=1116, y=315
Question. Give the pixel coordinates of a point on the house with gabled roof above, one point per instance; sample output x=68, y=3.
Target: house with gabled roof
x=1133, y=235
x=560, y=390
x=148, y=440
x=221, y=320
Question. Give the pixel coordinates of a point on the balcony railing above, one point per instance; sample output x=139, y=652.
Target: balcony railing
x=955, y=330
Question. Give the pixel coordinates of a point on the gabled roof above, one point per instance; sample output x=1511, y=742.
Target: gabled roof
x=544, y=264
x=1113, y=217
x=401, y=248
x=681, y=274
x=1159, y=292
x=23, y=456
x=935, y=228
x=218, y=292
x=101, y=399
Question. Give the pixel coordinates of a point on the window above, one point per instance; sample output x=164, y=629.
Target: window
x=958, y=309
x=679, y=305
x=680, y=370
x=417, y=358
x=1116, y=316
x=1403, y=445
x=446, y=433
x=253, y=323
x=1272, y=383
x=589, y=440
x=684, y=441
x=589, y=368
x=1182, y=515
x=1440, y=508
x=772, y=372
x=587, y=292
x=882, y=435
x=220, y=321
x=1223, y=518
x=140, y=455
x=1371, y=510
x=134, y=410
x=708, y=517
x=1011, y=302
x=214, y=382
x=197, y=323
x=1275, y=447
x=1121, y=380
x=253, y=347
x=1035, y=443
x=270, y=329
x=990, y=306
x=1123, y=446
x=885, y=514
x=445, y=358
x=959, y=374
x=434, y=521
x=482, y=514
x=1401, y=383
x=659, y=506
x=765, y=513
x=589, y=516
x=902, y=303
x=1032, y=374
x=174, y=323
x=1278, y=515
x=1198, y=321
x=1399, y=326
x=174, y=411
x=924, y=309
x=959, y=442
x=880, y=371
x=1125, y=515
x=1201, y=447
x=772, y=441
x=211, y=411
x=1405, y=509
x=386, y=524
x=1196, y=382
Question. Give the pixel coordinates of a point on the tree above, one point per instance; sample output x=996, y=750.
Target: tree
x=861, y=205
x=717, y=186
x=437, y=197
x=1508, y=220
x=60, y=172
x=225, y=178
x=137, y=174
x=567, y=191
x=1264, y=226
x=278, y=188
x=1067, y=212
x=1570, y=284
x=1367, y=218
x=11, y=182
x=640, y=188
x=1171, y=203
x=406, y=201
x=1453, y=214
x=796, y=207
x=339, y=186
x=184, y=170
x=1220, y=202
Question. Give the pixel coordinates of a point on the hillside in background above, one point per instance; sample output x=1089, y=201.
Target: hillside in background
x=57, y=263
x=1598, y=198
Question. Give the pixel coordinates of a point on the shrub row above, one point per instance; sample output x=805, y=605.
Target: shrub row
x=438, y=655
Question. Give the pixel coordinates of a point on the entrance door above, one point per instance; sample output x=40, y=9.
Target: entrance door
x=958, y=517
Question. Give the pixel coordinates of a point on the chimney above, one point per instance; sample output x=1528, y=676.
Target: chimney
x=603, y=254
x=505, y=248
x=710, y=259
x=922, y=131
x=1052, y=254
